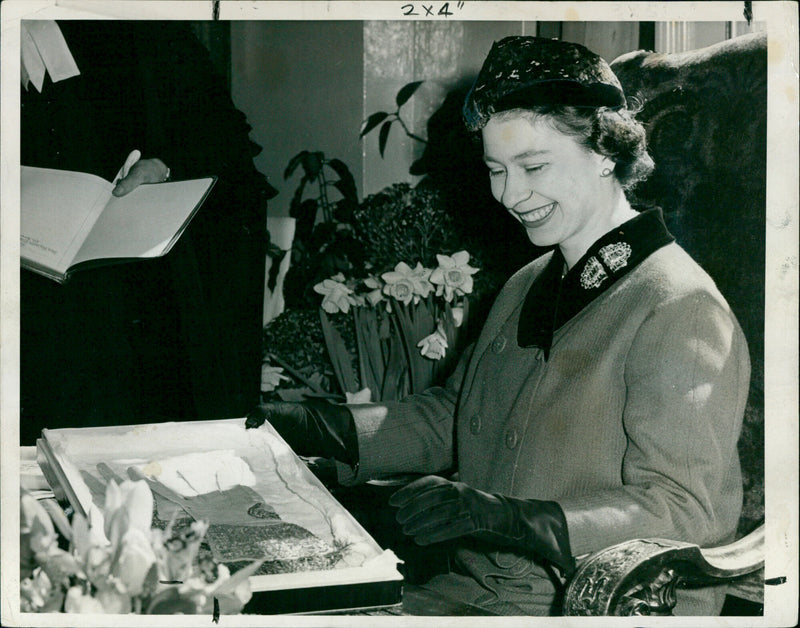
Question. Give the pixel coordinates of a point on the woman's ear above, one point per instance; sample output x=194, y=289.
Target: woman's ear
x=607, y=166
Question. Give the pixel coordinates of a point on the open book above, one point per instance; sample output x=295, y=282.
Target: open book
x=71, y=219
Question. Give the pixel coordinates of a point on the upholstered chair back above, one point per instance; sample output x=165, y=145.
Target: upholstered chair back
x=705, y=114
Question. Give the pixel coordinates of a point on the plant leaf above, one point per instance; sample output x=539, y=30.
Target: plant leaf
x=384, y=135
x=406, y=92
x=395, y=375
x=370, y=123
x=293, y=163
x=346, y=183
x=370, y=354
x=340, y=358
x=274, y=270
x=312, y=163
x=297, y=198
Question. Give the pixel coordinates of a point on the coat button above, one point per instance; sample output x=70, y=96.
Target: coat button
x=511, y=438
x=499, y=344
x=475, y=424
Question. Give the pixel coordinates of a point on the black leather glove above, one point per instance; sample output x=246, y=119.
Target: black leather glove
x=433, y=509
x=312, y=428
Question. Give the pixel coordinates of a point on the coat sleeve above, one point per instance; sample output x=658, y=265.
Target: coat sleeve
x=687, y=377
x=414, y=435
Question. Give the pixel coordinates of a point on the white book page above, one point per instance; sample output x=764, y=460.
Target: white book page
x=144, y=222
x=58, y=209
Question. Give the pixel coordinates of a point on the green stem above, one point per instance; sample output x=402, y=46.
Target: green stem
x=294, y=373
x=408, y=132
x=323, y=195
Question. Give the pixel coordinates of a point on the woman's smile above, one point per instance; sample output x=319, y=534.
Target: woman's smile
x=536, y=217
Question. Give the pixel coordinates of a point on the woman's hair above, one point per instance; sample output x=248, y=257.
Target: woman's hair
x=613, y=133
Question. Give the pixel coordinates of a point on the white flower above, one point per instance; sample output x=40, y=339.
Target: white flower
x=129, y=505
x=96, y=563
x=453, y=275
x=78, y=602
x=337, y=297
x=85, y=537
x=232, y=592
x=179, y=551
x=119, y=572
x=434, y=346
x=458, y=315
x=35, y=591
x=35, y=526
x=135, y=561
x=422, y=285
x=400, y=283
x=114, y=601
x=362, y=396
x=375, y=295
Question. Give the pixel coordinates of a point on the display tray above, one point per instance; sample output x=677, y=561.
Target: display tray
x=261, y=502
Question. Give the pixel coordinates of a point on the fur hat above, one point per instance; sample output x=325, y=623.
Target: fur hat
x=522, y=72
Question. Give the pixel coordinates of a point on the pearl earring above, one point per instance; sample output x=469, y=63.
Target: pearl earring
x=606, y=172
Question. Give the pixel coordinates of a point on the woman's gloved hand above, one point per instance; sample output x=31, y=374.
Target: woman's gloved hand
x=433, y=509
x=312, y=428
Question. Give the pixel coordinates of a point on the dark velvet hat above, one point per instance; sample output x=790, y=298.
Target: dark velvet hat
x=522, y=72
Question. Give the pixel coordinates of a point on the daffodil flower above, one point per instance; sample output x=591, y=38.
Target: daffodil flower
x=136, y=562
x=453, y=276
x=434, y=346
x=362, y=396
x=400, y=283
x=422, y=285
x=116, y=567
x=375, y=295
x=128, y=505
x=337, y=297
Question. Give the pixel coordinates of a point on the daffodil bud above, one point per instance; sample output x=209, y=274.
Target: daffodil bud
x=434, y=346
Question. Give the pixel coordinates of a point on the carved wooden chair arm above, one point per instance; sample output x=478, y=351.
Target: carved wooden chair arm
x=639, y=577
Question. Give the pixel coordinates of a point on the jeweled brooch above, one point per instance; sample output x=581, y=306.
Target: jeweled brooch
x=593, y=274
x=616, y=255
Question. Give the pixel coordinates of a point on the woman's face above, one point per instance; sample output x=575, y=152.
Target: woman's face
x=549, y=182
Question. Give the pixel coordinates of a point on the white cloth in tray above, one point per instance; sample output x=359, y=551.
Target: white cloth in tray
x=201, y=472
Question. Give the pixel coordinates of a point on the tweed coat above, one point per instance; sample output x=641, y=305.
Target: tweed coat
x=630, y=424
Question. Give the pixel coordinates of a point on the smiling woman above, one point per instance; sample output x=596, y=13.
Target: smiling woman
x=560, y=191
x=604, y=397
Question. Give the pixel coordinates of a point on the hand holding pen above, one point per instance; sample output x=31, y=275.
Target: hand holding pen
x=136, y=171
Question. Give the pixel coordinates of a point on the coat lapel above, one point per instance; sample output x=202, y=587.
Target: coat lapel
x=553, y=300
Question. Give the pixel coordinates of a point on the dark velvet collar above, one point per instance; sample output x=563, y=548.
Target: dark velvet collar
x=553, y=300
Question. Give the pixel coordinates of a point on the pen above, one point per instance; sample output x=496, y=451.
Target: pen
x=132, y=159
